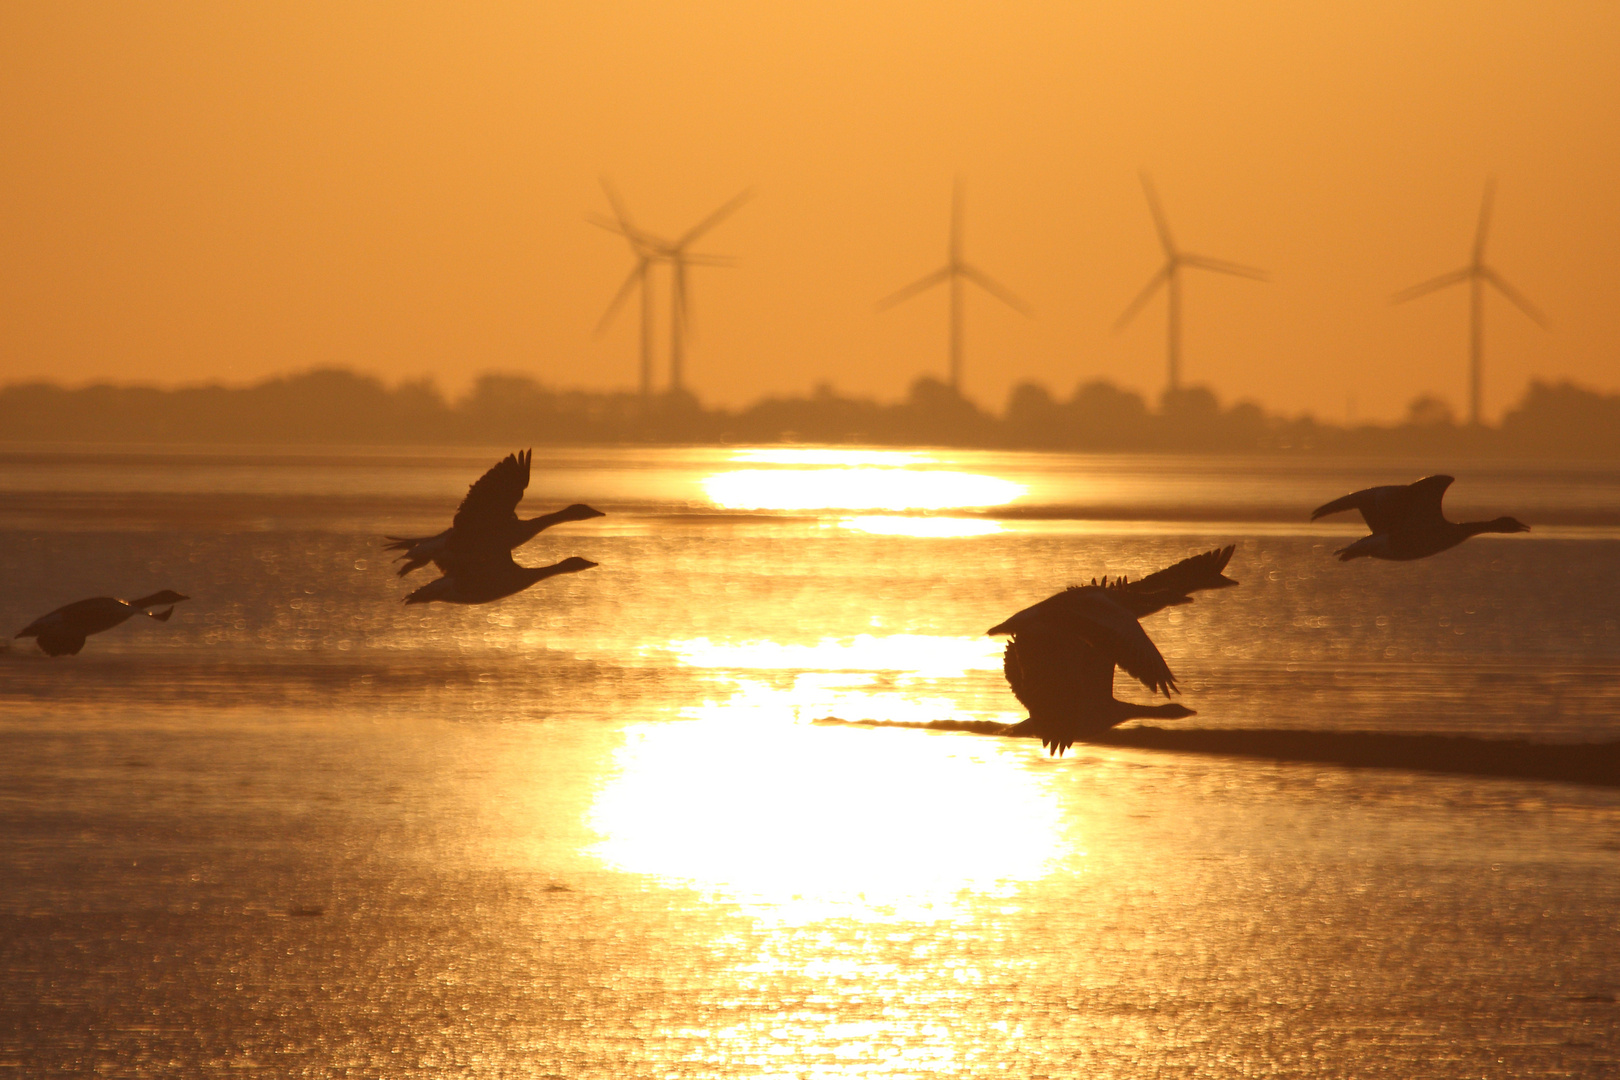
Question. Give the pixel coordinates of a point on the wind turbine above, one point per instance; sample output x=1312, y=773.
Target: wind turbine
x=649, y=248
x=956, y=271
x=1477, y=274
x=1169, y=275
x=637, y=279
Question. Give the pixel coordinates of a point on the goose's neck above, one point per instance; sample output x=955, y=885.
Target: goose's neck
x=532, y=527
x=1496, y=525
x=540, y=573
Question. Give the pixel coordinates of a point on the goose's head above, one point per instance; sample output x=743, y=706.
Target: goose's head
x=1506, y=524
x=579, y=512
x=573, y=565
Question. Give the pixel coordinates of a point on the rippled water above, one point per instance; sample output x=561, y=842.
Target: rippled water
x=591, y=830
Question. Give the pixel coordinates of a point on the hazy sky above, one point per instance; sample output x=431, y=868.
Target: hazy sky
x=230, y=190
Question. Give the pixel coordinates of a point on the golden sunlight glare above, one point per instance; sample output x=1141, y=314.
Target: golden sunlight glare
x=923, y=655
x=941, y=527
x=804, y=823
x=857, y=489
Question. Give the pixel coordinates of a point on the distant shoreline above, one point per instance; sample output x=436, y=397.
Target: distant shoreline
x=331, y=408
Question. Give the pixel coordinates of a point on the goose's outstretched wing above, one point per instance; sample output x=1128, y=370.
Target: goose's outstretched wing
x=1393, y=507
x=1175, y=584
x=1423, y=500
x=492, y=501
x=1088, y=616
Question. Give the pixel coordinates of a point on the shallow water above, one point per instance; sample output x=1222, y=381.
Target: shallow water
x=591, y=830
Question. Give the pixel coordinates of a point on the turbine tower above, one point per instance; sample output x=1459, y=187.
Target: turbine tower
x=1478, y=275
x=649, y=248
x=1169, y=275
x=955, y=271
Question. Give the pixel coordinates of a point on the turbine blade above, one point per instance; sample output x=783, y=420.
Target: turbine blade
x=1515, y=295
x=920, y=285
x=619, y=210
x=1144, y=296
x=621, y=296
x=1431, y=285
x=1159, y=221
x=713, y=219
x=997, y=290
x=1221, y=266
x=644, y=244
x=1484, y=220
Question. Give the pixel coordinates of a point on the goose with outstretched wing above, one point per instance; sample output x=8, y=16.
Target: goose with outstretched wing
x=62, y=632
x=502, y=488
x=477, y=561
x=1061, y=659
x=1407, y=522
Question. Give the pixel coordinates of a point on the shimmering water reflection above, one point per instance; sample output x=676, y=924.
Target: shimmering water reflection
x=593, y=831
x=918, y=655
x=800, y=824
x=857, y=489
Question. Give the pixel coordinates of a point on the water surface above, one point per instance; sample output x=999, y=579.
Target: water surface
x=592, y=830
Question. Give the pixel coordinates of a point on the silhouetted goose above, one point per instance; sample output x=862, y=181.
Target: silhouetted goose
x=1407, y=523
x=63, y=631
x=508, y=477
x=1061, y=659
x=478, y=581
x=477, y=557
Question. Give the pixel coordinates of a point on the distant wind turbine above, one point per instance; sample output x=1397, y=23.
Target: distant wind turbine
x=649, y=248
x=1477, y=274
x=1169, y=275
x=637, y=279
x=955, y=271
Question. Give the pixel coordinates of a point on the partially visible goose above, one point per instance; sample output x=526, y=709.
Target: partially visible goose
x=1061, y=659
x=508, y=477
x=477, y=557
x=1407, y=523
x=63, y=631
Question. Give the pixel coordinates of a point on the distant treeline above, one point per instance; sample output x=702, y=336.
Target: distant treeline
x=333, y=406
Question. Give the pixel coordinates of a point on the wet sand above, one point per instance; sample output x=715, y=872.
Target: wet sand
x=1579, y=763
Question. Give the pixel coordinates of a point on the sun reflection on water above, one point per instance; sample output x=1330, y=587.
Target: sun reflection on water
x=889, y=525
x=748, y=802
x=860, y=488
x=923, y=655
x=791, y=455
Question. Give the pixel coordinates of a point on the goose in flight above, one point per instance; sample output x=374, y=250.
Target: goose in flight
x=476, y=559
x=509, y=477
x=1407, y=523
x=63, y=631
x=1061, y=659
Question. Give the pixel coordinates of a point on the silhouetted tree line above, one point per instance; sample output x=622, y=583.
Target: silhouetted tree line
x=335, y=406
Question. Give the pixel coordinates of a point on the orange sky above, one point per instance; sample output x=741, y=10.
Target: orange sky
x=226, y=191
